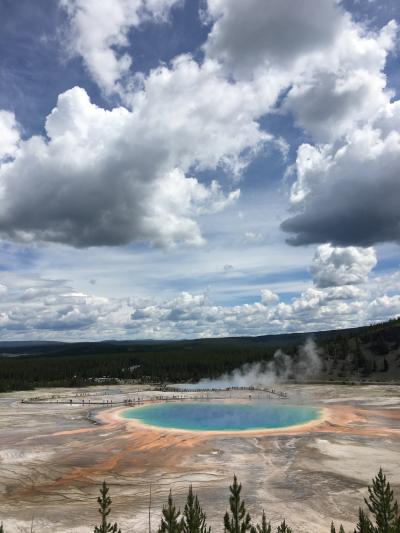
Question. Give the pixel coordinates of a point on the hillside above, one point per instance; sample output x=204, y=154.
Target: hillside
x=368, y=353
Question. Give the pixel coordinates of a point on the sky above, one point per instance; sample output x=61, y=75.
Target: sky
x=198, y=168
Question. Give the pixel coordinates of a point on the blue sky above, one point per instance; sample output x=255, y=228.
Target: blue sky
x=176, y=168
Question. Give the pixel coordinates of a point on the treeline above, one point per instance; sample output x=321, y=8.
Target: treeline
x=346, y=353
x=171, y=363
x=382, y=508
x=381, y=514
x=373, y=350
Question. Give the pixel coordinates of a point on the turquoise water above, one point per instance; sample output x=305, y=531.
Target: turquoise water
x=222, y=416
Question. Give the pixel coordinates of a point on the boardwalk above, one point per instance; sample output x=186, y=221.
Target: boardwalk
x=167, y=394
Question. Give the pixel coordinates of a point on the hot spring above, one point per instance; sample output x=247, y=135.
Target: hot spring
x=222, y=416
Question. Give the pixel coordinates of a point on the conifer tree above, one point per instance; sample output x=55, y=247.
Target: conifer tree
x=104, y=502
x=364, y=523
x=341, y=529
x=239, y=520
x=1, y=528
x=265, y=526
x=333, y=529
x=194, y=518
x=283, y=528
x=382, y=506
x=170, y=518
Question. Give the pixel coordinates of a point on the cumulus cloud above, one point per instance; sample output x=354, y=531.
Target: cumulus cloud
x=112, y=177
x=347, y=194
x=130, y=174
x=37, y=307
x=385, y=306
x=268, y=297
x=253, y=34
x=330, y=73
x=336, y=266
x=9, y=134
x=346, y=184
x=314, y=309
x=34, y=307
x=98, y=32
x=343, y=86
x=329, y=68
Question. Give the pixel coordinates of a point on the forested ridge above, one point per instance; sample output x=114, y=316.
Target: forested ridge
x=371, y=352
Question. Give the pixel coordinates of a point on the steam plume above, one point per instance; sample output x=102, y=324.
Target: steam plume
x=305, y=364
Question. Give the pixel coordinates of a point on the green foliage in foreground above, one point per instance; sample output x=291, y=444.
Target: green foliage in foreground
x=383, y=513
x=170, y=522
x=194, y=518
x=104, y=502
x=238, y=521
x=265, y=526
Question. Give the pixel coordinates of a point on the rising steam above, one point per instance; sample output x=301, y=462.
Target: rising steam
x=305, y=364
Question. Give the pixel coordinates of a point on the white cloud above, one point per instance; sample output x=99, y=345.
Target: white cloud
x=385, y=306
x=99, y=33
x=37, y=307
x=33, y=307
x=314, y=309
x=129, y=174
x=268, y=297
x=330, y=71
x=203, y=118
x=9, y=134
x=134, y=173
x=253, y=236
x=335, y=266
x=250, y=35
x=348, y=193
x=331, y=67
x=111, y=177
x=343, y=86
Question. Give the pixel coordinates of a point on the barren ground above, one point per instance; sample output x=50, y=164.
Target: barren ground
x=53, y=457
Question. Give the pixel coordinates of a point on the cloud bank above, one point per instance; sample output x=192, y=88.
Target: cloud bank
x=169, y=147
x=109, y=177
x=36, y=307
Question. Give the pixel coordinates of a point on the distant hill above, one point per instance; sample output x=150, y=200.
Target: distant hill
x=366, y=353
x=28, y=344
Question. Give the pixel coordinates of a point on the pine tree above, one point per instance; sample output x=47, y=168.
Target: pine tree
x=1, y=528
x=283, y=528
x=382, y=506
x=104, y=502
x=341, y=529
x=194, y=518
x=239, y=520
x=170, y=518
x=333, y=529
x=265, y=526
x=364, y=523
